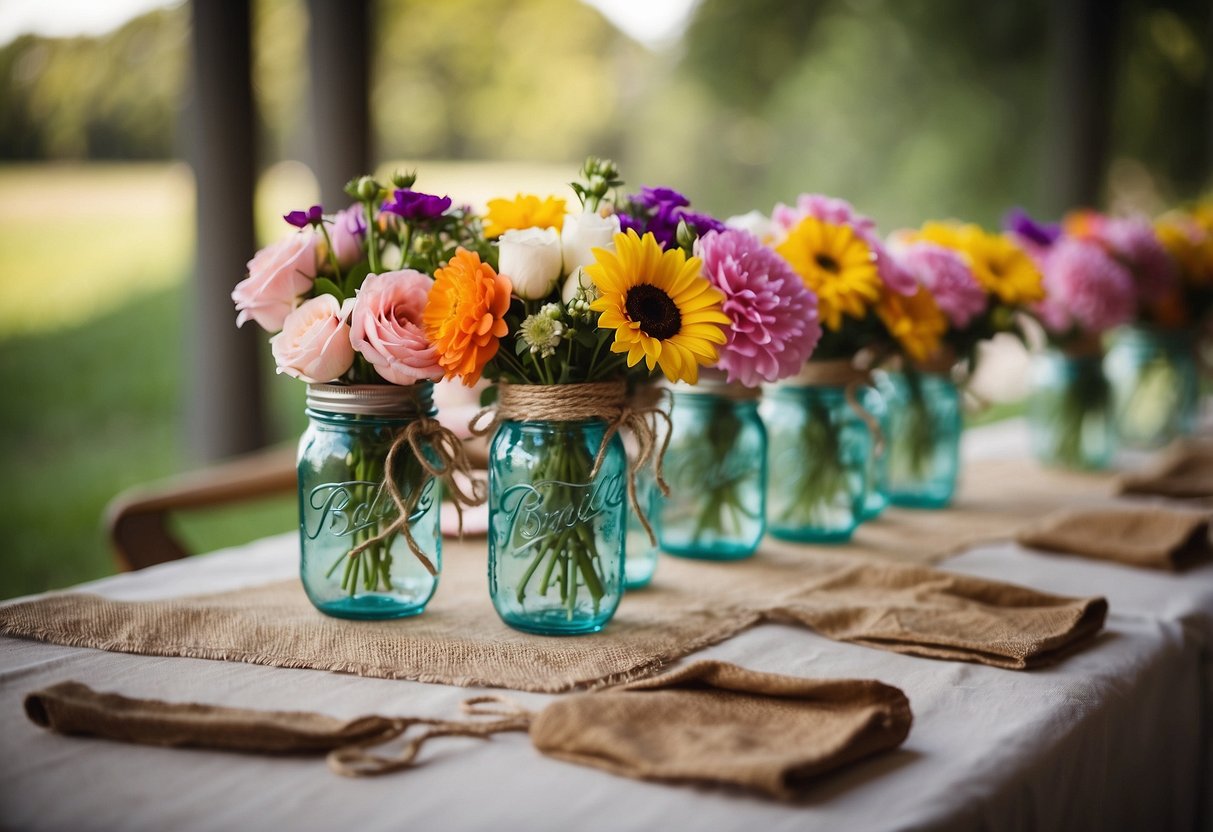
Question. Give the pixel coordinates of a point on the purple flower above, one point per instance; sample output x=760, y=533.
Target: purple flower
x=347, y=235
x=658, y=211
x=946, y=276
x=1039, y=234
x=774, y=315
x=1085, y=287
x=1133, y=241
x=302, y=219
x=414, y=206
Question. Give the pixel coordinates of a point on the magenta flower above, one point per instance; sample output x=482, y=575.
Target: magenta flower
x=835, y=211
x=947, y=276
x=302, y=219
x=1085, y=288
x=774, y=315
x=414, y=206
x=1133, y=241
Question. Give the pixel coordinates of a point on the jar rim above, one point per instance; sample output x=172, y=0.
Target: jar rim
x=372, y=399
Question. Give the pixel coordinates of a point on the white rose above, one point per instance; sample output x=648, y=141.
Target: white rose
x=755, y=222
x=582, y=234
x=530, y=258
x=578, y=280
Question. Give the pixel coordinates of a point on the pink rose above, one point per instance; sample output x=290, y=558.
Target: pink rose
x=347, y=233
x=386, y=326
x=314, y=344
x=277, y=276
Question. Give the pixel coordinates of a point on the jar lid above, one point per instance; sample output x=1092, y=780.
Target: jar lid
x=372, y=399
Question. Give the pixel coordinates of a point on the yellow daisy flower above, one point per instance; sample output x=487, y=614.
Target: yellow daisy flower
x=1190, y=242
x=523, y=211
x=1000, y=266
x=660, y=305
x=916, y=322
x=837, y=265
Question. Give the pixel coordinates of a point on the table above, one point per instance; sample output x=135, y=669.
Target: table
x=1117, y=736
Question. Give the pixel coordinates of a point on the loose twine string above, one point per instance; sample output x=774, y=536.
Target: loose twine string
x=452, y=459
x=842, y=374
x=357, y=761
x=606, y=400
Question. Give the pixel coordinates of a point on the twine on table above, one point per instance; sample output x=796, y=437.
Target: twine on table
x=842, y=373
x=452, y=459
x=357, y=761
x=606, y=400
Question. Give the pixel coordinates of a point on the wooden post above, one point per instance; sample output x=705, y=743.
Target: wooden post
x=339, y=46
x=225, y=409
x=1084, y=43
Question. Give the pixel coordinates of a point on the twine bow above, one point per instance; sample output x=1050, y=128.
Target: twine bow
x=357, y=761
x=452, y=459
x=595, y=400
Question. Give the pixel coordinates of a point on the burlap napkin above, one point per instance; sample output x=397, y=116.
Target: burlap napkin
x=714, y=722
x=1184, y=472
x=709, y=722
x=1156, y=537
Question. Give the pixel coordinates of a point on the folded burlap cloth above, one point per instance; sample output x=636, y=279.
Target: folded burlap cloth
x=708, y=722
x=1153, y=536
x=1184, y=471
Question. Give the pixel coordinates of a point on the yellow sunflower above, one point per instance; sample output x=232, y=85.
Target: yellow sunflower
x=523, y=211
x=916, y=322
x=837, y=265
x=1190, y=243
x=1000, y=266
x=660, y=305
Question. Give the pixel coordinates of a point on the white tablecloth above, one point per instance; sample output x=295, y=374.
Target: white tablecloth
x=1114, y=737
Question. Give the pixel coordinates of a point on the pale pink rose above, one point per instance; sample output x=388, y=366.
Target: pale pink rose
x=277, y=276
x=386, y=326
x=314, y=344
x=347, y=233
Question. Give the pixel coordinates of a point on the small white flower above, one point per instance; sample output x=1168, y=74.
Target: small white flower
x=542, y=333
x=530, y=258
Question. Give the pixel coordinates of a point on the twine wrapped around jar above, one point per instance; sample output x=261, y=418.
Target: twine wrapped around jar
x=606, y=400
x=841, y=373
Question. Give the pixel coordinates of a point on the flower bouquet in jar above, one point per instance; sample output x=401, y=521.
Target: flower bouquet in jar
x=1088, y=291
x=344, y=296
x=557, y=313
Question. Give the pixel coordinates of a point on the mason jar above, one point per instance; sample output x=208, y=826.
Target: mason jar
x=556, y=533
x=640, y=551
x=348, y=569
x=716, y=469
x=1069, y=410
x=875, y=400
x=1155, y=385
x=818, y=463
x=923, y=442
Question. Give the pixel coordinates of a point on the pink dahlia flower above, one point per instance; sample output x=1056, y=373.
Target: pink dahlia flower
x=835, y=211
x=1085, y=287
x=774, y=315
x=946, y=276
x=1133, y=241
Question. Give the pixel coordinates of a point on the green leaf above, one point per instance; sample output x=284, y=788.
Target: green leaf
x=324, y=286
x=520, y=346
x=488, y=395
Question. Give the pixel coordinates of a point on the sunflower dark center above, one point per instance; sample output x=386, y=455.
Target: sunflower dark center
x=827, y=262
x=654, y=310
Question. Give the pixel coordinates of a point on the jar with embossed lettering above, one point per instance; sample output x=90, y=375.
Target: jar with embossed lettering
x=716, y=467
x=357, y=561
x=556, y=527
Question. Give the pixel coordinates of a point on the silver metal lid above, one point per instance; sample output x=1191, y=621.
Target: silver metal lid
x=373, y=399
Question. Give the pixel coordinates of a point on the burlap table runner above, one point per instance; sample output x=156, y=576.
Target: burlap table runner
x=1152, y=536
x=708, y=722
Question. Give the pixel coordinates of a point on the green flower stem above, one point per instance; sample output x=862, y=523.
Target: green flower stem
x=913, y=446
x=1086, y=396
x=824, y=476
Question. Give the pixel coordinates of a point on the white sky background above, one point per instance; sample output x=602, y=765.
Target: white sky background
x=655, y=23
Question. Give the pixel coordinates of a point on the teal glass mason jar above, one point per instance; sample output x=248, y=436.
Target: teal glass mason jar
x=640, y=551
x=923, y=442
x=1155, y=385
x=1070, y=410
x=556, y=534
x=875, y=400
x=343, y=504
x=818, y=463
x=716, y=469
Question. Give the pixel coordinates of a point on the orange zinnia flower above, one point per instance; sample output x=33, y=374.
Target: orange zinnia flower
x=464, y=318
